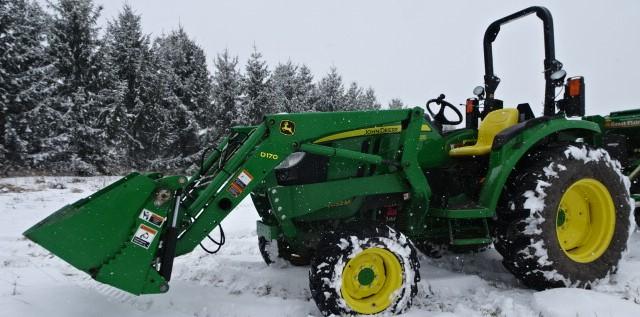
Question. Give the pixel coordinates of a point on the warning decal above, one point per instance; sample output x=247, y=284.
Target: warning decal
x=144, y=236
x=153, y=218
x=245, y=178
x=240, y=183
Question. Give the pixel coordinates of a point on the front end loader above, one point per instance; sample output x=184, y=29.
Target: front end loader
x=355, y=194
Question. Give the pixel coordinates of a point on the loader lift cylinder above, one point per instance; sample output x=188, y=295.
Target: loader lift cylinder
x=170, y=240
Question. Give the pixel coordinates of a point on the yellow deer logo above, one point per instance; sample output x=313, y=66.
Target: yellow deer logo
x=287, y=127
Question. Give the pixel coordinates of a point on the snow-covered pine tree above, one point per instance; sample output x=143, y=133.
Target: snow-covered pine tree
x=112, y=119
x=150, y=118
x=368, y=100
x=352, y=97
x=396, y=103
x=255, y=83
x=283, y=86
x=73, y=46
x=306, y=93
x=227, y=92
x=127, y=49
x=330, y=92
x=23, y=78
x=164, y=128
x=125, y=61
x=189, y=63
x=113, y=125
x=74, y=53
x=292, y=88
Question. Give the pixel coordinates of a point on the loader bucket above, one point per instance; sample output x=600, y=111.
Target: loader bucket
x=95, y=235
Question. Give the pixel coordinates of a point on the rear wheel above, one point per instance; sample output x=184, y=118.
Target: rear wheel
x=366, y=271
x=566, y=219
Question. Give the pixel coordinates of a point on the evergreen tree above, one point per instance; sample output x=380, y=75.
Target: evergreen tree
x=188, y=61
x=306, y=91
x=74, y=51
x=330, y=92
x=284, y=88
x=368, y=100
x=149, y=120
x=73, y=46
x=256, y=87
x=293, y=89
x=165, y=130
x=23, y=78
x=352, y=97
x=126, y=50
x=126, y=61
x=396, y=103
x=227, y=92
x=113, y=123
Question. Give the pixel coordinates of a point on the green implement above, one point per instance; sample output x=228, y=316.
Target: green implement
x=105, y=235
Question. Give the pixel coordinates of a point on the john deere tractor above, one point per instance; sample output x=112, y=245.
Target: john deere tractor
x=355, y=194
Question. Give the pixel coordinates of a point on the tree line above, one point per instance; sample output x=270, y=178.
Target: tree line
x=76, y=99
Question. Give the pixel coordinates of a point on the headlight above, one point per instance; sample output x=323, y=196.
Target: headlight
x=292, y=160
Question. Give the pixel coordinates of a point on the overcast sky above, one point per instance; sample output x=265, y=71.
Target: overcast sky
x=415, y=50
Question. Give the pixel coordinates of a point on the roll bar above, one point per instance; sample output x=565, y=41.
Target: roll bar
x=551, y=64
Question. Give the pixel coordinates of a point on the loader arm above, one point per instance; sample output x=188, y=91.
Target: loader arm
x=128, y=234
x=267, y=146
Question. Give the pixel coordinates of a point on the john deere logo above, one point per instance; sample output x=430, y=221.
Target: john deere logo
x=287, y=127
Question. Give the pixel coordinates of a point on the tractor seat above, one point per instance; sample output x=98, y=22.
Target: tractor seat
x=493, y=123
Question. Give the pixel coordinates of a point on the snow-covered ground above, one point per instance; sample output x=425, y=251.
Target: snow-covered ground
x=236, y=282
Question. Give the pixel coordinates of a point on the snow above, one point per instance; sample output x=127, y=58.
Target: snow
x=553, y=303
x=236, y=282
x=535, y=203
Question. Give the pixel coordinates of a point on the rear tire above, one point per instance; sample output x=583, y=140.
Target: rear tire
x=565, y=221
x=364, y=271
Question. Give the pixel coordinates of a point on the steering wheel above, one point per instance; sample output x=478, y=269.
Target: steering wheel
x=440, y=117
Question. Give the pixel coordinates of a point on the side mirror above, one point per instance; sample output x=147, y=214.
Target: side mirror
x=478, y=91
x=557, y=77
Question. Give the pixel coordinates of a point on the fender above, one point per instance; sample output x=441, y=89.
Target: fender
x=505, y=157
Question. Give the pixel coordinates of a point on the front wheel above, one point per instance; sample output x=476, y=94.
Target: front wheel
x=565, y=219
x=364, y=271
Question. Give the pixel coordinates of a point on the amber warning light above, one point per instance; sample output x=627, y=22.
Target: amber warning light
x=470, y=105
x=573, y=102
x=574, y=85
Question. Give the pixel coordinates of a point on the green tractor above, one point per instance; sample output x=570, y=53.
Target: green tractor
x=355, y=194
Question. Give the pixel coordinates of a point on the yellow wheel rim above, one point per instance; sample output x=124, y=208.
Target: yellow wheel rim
x=369, y=280
x=585, y=221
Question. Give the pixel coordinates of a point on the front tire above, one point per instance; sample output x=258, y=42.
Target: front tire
x=565, y=220
x=364, y=271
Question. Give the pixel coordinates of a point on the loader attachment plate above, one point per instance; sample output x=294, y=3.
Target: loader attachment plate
x=100, y=235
